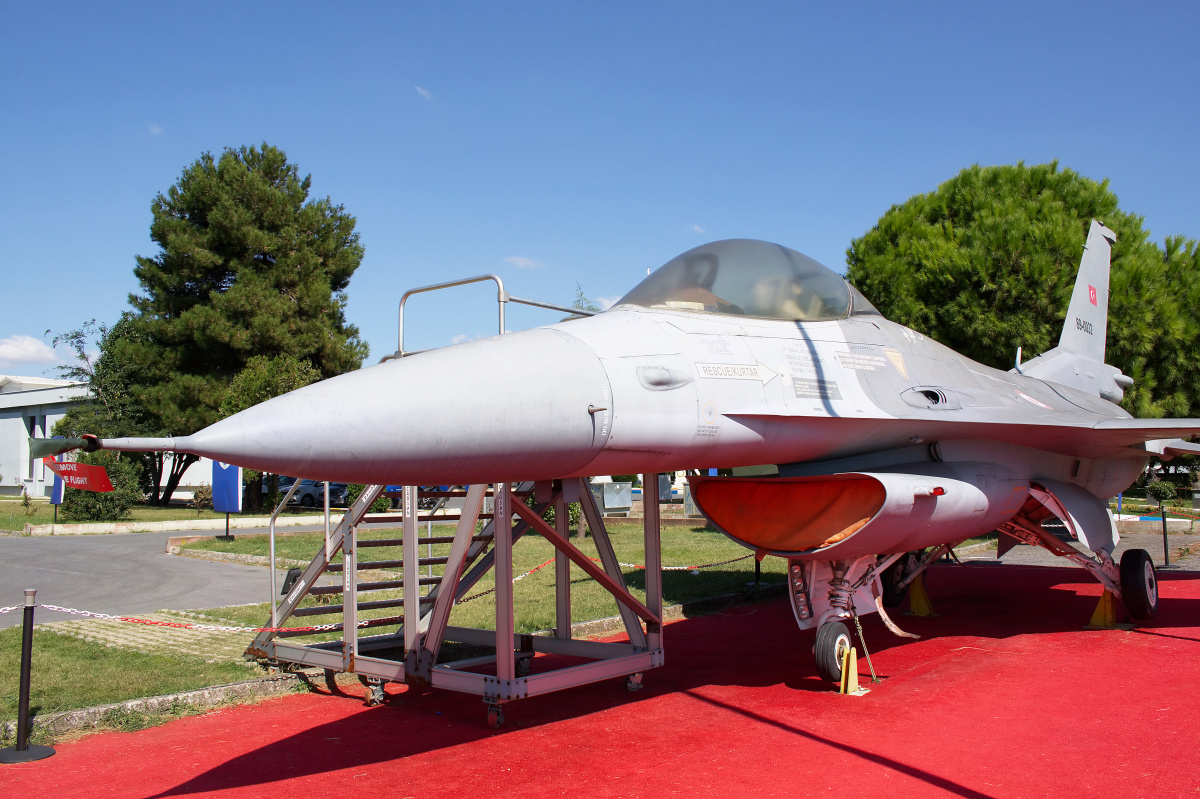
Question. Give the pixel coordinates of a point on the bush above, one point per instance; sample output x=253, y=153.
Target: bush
x=202, y=497
x=109, y=506
x=380, y=505
x=1160, y=490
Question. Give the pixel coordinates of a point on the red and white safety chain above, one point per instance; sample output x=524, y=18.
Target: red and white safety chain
x=683, y=568
x=515, y=579
x=693, y=569
x=217, y=627
x=14, y=607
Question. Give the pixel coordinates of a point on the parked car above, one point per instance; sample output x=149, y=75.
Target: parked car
x=311, y=493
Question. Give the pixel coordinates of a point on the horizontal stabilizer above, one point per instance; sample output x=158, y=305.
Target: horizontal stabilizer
x=1173, y=447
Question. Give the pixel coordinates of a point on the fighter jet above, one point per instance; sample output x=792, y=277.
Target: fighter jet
x=862, y=450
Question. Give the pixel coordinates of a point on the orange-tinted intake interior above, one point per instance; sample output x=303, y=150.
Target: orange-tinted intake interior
x=789, y=514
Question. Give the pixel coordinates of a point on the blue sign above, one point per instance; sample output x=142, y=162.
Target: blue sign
x=57, y=492
x=227, y=488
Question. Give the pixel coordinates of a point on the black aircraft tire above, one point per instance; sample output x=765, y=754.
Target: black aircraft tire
x=833, y=639
x=893, y=596
x=1139, y=584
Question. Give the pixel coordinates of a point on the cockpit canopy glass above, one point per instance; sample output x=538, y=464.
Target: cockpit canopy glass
x=745, y=277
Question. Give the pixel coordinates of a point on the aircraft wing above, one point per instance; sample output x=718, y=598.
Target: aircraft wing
x=1111, y=438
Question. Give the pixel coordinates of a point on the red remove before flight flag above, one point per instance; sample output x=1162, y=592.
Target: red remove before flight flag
x=80, y=475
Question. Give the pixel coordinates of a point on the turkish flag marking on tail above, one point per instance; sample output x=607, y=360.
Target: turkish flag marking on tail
x=1092, y=294
x=80, y=475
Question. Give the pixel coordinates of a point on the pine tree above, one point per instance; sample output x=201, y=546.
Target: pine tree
x=248, y=266
x=987, y=261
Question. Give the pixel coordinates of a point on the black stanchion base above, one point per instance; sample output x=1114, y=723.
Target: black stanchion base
x=14, y=755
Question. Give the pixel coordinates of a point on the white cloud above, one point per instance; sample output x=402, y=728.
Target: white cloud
x=695, y=229
x=461, y=337
x=154, y=129
x=428, y=95
x=607, y=302
x=523, y=263
x=20, y=349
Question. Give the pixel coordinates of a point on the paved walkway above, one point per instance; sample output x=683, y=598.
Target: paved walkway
x=124, y=573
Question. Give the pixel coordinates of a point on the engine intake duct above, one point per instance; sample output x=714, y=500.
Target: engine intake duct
x=860, y=513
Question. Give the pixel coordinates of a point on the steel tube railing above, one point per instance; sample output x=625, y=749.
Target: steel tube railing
x=271, y=566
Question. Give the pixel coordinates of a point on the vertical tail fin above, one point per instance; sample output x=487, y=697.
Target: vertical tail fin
x=1087, y=317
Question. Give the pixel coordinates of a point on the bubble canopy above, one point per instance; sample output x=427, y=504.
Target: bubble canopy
x=746, y=277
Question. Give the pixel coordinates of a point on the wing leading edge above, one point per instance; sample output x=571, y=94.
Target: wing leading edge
x=1111, y=438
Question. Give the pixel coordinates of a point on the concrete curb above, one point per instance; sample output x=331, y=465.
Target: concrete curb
x=235, y=523
x=91, y=717
x=230, y=557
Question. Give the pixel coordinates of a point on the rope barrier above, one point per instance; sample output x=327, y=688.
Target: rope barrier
x=327, y=627
x=214, y=627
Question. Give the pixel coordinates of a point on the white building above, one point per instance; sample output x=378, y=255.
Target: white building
x=29, y=407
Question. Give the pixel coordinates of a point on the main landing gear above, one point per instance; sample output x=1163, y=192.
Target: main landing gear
x=1139, y=585
x=833, y=639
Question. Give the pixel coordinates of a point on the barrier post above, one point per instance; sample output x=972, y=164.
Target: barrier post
x=22, y=752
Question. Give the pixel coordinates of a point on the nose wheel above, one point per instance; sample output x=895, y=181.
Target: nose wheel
x=833, y=640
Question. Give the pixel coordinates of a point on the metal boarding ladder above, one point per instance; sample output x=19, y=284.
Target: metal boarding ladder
x=472, y=555
x=358, y=516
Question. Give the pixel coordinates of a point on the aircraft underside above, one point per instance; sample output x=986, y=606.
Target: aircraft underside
x=855, y=541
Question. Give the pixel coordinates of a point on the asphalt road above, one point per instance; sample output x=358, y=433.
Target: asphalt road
x=119, y=574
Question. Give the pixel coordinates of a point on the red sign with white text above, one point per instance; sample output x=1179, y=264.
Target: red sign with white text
x=80, y=475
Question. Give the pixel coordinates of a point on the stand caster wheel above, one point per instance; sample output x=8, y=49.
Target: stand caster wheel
x=495, y=717
x=375, y=695
x=833, y=639
x=634, y=682
x=523, y=666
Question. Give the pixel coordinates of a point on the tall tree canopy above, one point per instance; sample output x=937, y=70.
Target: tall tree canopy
x=986, y=263
x=248, y=266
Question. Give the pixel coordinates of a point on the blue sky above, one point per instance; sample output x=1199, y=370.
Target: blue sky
x=561, y=143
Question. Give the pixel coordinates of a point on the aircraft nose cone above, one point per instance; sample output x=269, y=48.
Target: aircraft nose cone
x=514, y=407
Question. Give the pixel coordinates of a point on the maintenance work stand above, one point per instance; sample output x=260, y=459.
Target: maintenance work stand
x=483, y=542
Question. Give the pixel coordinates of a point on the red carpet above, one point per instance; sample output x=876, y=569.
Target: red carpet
x=1005, y=696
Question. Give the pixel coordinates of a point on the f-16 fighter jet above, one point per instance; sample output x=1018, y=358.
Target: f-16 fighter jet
x=862, y=450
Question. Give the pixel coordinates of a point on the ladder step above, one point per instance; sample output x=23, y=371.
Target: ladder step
x=337, y=627
x=396, y=542
x=387, y=564
x=395, y=519
x=325, y=610
x=375, y=586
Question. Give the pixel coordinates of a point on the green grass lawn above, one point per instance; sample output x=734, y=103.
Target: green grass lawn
x=534, y=595
x=69, y=673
